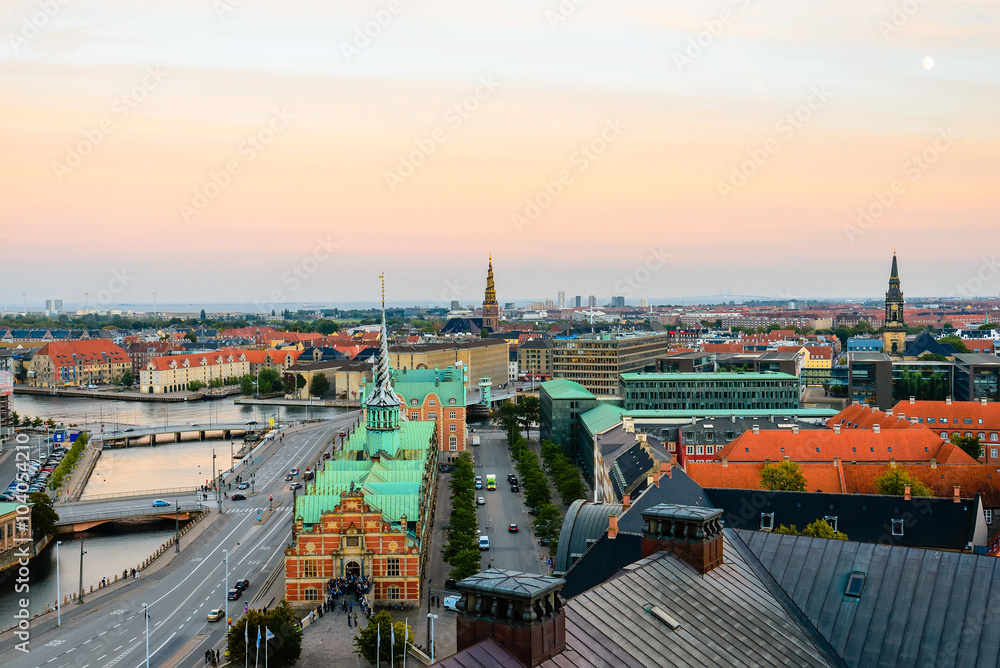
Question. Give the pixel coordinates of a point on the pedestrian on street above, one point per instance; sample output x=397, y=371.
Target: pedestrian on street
x=355, y=619
x=348, y=621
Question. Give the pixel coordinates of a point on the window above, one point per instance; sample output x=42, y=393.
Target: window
x=968, y=420
x=392, y=593
x=451, y=402
x=832, y=521
x=392, y=567
x=710, y=449
x=931, y=420
x=309, y=568
x=767, y=521
x=432, y=402
x=855, y=584
x=982, y=436
x=968, y=434
x=701, y=449
x=452, y=427
x=897, y=527
x=354, y=541
x=312, y=594
x=993, y=453
x=453, y=443
x=413, y=402
x=994, y=436
x=989, y=516
x=432, y=415
x=944, y=435
x=452, y=415
x=414, y=415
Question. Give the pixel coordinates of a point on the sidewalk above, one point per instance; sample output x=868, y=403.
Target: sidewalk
x=74, y=484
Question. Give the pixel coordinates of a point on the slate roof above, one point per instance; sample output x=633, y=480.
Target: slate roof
x=925, y=343
x=918, y=607
x=728, y=617
x=584, y=522
x=867, y=518
x=463, y=326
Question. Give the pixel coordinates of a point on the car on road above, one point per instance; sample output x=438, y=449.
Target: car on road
x=511, y=478
x=484, y=542
x=342, y=434
x=238, y=497
x=215, y=615
x=243, y=485
x=234, y=594
x=515, y=488
x=512, y=528
x=451, y=602
x=295, y=485
x=289, y=477
x=242, y=584
x=481, y=501
x=293, y=472
x=160, y=503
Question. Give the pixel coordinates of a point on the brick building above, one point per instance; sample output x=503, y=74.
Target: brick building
x=74, y=363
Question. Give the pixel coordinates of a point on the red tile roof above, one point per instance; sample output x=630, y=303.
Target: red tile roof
x=168, y=362
x=818, y=445
x=746, y=475
x=860, y=416
x=971, y=478
x=92, y=351
x=973, y=410
x=266, y=356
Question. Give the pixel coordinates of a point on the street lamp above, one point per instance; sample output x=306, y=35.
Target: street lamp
x=58, y=591
x=429, y=627
x=430, y=620
x=226, y=590
x=145, y=613
x=80, y=598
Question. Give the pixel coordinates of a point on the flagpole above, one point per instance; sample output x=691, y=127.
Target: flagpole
x=406, y=634
x=378, y=646
x=256, y=653
x=246, y=644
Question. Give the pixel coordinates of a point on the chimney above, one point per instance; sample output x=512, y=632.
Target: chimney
x=836, y=429
x=520, y=611
x=982, y=400
x=902, y=416
x=626, y=502
x=756, y=429
x=947, y=400
x=958, y=494
x=876, y=429
x=892, y=463
x=732, y=418
x=667, y=467
x=888, y=412
x=933, y=462
x=836, y=461
x=913, y=400
x=906, y=493
x=788, y=458
x=612, y=526
x=725, y=461
x=795, y=429
x=694, y=533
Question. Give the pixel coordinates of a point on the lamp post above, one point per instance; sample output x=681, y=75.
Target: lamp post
x=430, y=621
x=80, y=598
x=177, y=527
x=58, y=591
x=145, y=613
x=226, y=590
x=430, y=637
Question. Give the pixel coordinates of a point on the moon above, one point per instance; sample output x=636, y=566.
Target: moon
x=928, y=63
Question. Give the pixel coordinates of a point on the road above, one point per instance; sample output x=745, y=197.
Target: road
x=109, y=631
x=513, y=551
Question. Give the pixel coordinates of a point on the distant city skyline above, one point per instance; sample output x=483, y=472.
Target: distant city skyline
x=275, y=154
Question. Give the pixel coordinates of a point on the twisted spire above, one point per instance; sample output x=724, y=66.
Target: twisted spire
x=382, y=393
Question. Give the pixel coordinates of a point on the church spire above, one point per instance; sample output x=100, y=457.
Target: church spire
x=382, y=403
x=895, y=271
x=491, y=309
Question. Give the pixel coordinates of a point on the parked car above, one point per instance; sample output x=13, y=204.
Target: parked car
x=160, y=503
x=451, y=602
x=234, y=594
x=214, y=615
x=242, y=584
x=515, y=488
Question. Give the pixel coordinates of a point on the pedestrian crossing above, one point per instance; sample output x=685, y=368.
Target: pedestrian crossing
x=254, y=510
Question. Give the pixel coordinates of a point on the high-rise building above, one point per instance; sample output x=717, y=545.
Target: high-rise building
x=53, y=306
x=491, y=309
x=618, y=301
x=578, y=301
x=644, y=303
x=591, y=301
x=894, y=329
x=561, y=299
x=455, y=305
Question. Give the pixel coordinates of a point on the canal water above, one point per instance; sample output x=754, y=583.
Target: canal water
x=109, y=549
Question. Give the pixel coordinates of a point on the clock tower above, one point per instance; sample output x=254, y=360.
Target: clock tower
x=894, y=329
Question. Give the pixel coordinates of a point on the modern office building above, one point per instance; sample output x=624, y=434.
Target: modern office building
x=578, y=301
x=592, y=301
x=977, y=377
x=561, y=299
x=534, y=358
x=717, y=391
x=617, y=301
x=596, y=360
x=561, y=403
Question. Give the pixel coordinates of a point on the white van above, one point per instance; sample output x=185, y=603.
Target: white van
x=484, y=542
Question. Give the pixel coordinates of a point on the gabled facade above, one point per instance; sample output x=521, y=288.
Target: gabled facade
x=173, y=373
x=75, y=363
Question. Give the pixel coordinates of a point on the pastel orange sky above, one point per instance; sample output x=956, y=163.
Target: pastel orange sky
x=161, y=96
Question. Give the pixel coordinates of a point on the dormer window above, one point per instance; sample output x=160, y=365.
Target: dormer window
x=766, y=521
x=413, y=402
x=897, y=527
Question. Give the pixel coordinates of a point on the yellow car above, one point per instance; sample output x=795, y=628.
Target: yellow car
x=215, y=615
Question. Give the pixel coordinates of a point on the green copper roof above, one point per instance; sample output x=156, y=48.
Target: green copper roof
x=310, y=507
x=566, y=389
x=6, y=508
x=447, y=383
x=411, y=436
x=603, y=417
x=708, y=377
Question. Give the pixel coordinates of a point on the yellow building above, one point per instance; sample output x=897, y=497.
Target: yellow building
x=75, y=363
x=346, y=377
x=173, y=373
x=482, y=358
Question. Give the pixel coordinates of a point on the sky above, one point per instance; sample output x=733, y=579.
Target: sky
x=268, y=152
